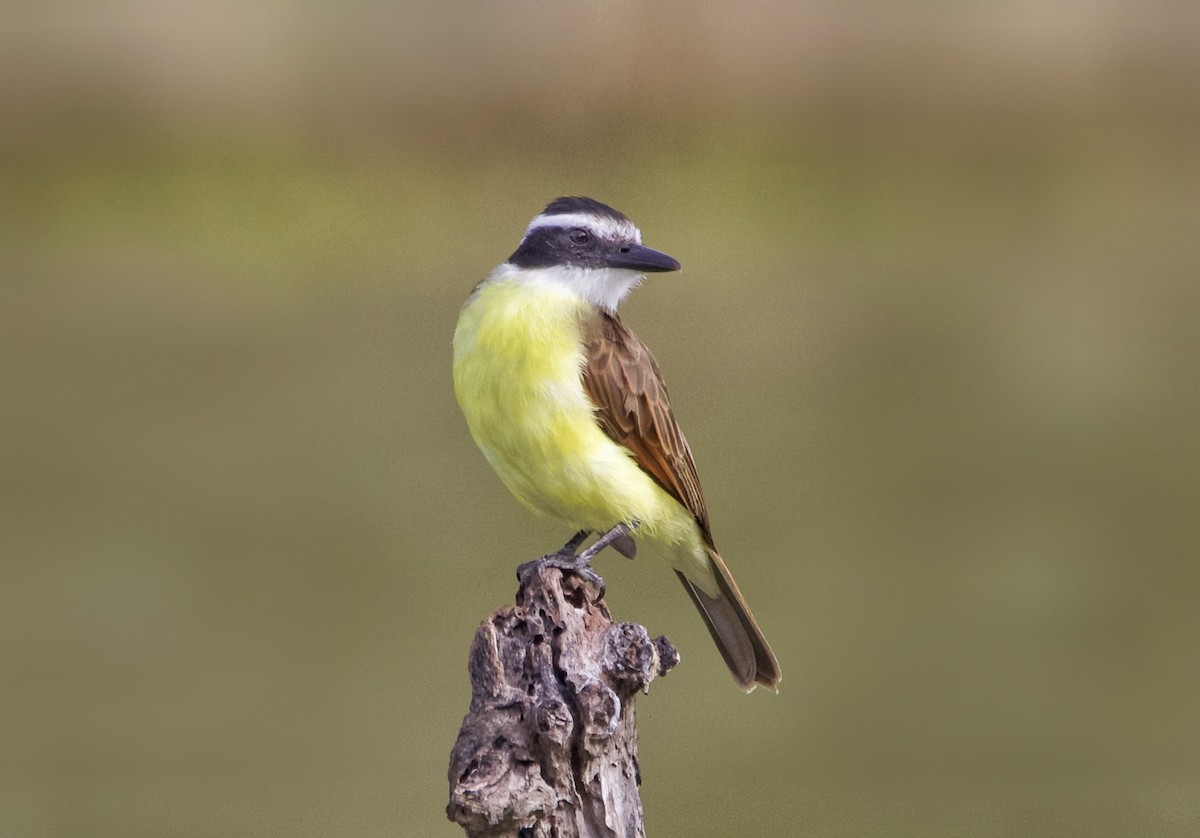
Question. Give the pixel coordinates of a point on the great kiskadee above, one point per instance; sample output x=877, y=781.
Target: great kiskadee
x=571, y=410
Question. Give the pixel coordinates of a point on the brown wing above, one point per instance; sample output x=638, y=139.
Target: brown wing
x=623, y=381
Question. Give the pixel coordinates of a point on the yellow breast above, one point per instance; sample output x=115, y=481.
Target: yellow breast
x=517, y=365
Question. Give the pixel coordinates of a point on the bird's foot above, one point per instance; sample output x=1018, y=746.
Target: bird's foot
x=620, y=538
x=566, y=562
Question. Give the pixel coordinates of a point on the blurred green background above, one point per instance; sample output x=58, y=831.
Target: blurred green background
x=935, y=346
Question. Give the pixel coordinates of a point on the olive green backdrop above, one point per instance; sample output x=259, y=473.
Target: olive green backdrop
x=935, y=346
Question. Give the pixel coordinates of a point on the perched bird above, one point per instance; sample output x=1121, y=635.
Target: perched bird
x=570, y=408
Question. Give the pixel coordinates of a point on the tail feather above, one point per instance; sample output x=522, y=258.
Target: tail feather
x=734, y=630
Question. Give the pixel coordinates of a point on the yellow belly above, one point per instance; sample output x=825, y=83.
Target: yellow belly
x=517, y=366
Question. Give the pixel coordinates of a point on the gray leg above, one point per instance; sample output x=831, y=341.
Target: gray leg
x=566, y=559
x=571, y=546
x=618, y=535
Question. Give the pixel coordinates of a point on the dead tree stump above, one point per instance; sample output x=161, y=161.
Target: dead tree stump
x=549, y=746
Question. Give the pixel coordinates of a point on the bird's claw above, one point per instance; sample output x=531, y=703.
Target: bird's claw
x=566, y=559
x=566, y=562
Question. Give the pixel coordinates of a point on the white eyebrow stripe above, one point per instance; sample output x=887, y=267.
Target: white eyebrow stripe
x=608, y=228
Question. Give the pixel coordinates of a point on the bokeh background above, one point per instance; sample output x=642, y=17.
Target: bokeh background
x=935, y=346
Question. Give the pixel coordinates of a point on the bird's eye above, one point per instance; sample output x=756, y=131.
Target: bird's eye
x=580, y=236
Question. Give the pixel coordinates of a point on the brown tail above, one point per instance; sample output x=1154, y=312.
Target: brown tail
x=732, y=626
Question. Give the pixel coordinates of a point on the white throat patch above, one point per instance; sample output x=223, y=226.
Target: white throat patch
x=602, y=287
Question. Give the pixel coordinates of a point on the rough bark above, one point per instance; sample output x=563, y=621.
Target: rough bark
x=549, y=747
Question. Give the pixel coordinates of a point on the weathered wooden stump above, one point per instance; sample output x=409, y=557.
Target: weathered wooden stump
x=549, y=746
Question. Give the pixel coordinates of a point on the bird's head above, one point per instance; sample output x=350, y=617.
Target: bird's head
x=590, y=248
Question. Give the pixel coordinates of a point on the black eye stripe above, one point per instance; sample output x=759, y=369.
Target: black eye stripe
x=574, y=246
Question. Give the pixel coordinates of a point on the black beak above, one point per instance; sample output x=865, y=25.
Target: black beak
x=635, y=257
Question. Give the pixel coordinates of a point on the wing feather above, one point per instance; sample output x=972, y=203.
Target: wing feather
x=623, y=381
x=625, y=384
